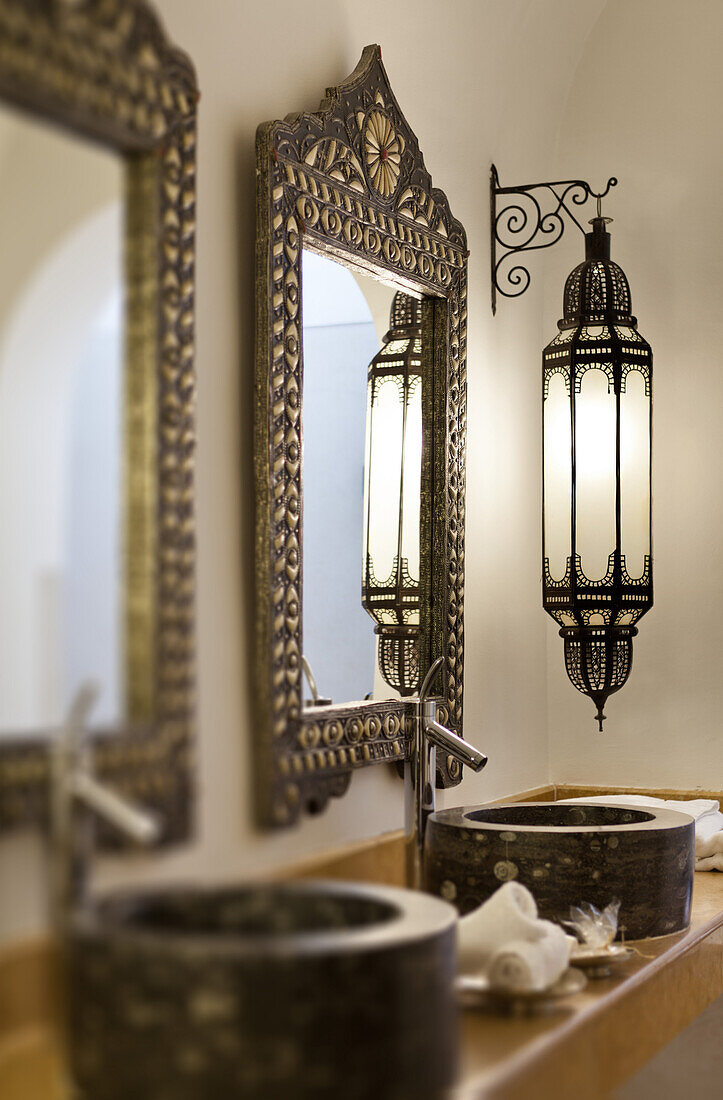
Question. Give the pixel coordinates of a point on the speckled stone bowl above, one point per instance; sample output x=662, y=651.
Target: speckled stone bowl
x=567, y=854
x=309, y=990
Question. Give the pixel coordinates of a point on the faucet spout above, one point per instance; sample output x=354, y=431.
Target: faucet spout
x=455, y=745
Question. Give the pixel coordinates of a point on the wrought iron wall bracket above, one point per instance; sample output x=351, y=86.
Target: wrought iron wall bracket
x=528, y=226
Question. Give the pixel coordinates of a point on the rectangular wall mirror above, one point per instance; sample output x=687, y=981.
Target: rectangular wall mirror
x=97, y=171
x=359, y=444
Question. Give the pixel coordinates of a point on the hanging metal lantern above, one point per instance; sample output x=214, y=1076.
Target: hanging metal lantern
x=597, y=405
x=390, y=584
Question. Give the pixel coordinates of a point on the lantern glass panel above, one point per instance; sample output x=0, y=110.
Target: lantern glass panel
x=384, y=469
x=412, y=481
x=557, y=475
x=635, y=473
x=595, y=456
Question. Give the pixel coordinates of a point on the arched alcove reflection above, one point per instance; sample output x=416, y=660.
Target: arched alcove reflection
x=61, y=481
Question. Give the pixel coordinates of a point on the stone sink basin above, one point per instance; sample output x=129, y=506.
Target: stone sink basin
x=303, y=990
x=567, y=854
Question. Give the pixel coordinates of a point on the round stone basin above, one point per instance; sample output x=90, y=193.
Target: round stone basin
x=568, y=854
x=290, y=990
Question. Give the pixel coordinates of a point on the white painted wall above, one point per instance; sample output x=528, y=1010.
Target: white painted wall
x=645, y=105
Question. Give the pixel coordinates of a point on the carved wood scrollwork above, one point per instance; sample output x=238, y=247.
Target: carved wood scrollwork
x=105, y=69
x=350, y=180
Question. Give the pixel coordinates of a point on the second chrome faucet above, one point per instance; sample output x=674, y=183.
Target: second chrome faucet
x=426, y=737
x=76, y=794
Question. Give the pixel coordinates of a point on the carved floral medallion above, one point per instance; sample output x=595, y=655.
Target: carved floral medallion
x=383, y=152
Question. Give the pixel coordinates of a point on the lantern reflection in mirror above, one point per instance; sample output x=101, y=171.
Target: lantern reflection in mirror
x=391, y=568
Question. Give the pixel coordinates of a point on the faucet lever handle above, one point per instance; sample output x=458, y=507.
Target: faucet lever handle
x=72, y=734
x=137, y=824
x=429, y=678
x=73, y=782
x=317, y=700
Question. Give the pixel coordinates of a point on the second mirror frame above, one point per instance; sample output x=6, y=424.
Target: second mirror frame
x=105, y=70
x=319, y=186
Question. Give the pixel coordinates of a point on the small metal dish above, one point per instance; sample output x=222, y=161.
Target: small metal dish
x=597, y=962
x=475, y=991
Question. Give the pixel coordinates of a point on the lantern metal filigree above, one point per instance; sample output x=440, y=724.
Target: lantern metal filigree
x=597, y=405
x=390, y=576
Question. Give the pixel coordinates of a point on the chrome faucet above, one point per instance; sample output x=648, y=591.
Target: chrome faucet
x=72, y=784
x=420, y=772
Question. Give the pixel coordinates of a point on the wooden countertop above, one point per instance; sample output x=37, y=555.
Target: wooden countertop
x=597, y=1039
x=31, y=1066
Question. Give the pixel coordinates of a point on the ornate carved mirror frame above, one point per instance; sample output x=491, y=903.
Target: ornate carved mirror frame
x=318, y=188
x=104, y=69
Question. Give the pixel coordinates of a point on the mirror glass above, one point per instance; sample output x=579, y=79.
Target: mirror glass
x=350, y=460
x=61, y=420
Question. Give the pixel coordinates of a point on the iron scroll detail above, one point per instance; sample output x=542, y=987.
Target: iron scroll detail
x=528, y=225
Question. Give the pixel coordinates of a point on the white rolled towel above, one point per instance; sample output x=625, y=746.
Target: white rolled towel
x=706, y=827
x=510, y=914
x=557, y=946
x=527, y=966
x=711, y=863
x=709, y=843
x=709, y=852
x=519, y=966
